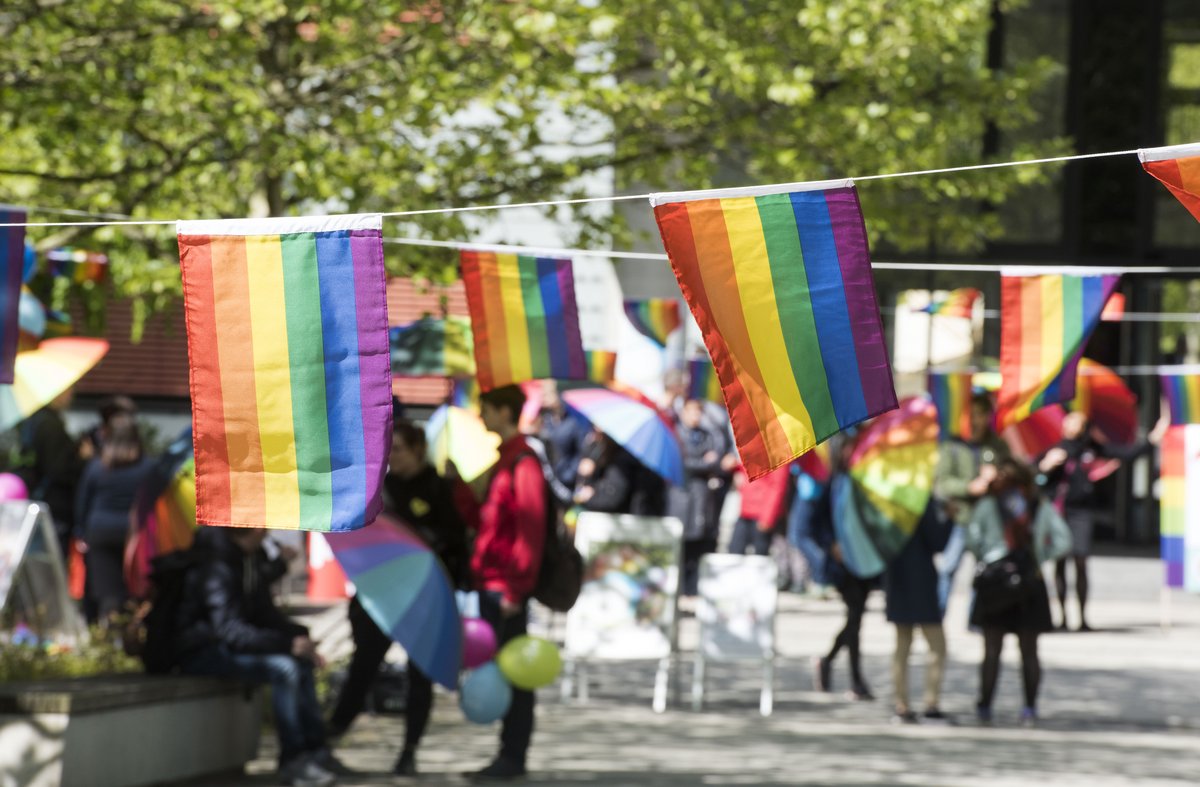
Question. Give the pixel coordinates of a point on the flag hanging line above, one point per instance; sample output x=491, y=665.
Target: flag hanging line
x=994, y=314
x=652, y=196
x=1136, y=370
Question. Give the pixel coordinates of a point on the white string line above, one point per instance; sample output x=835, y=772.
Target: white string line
x=64, y=211
x=626, y=197
x=1142, y=370
x=539, y=251
x=994, y=314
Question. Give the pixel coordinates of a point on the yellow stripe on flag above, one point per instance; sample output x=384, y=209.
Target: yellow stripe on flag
x=1052, y=328
x=273, y=379
x=520, y=359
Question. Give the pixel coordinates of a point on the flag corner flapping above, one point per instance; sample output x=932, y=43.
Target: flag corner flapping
x=1178, y=168
x=289, y=369
x=779, y=281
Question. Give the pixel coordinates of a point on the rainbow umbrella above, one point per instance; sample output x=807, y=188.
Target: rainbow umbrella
x=890, y=472
x=44, y=373
x=458, y=435
x=405, y=589
x=632, y=424
x=165, y=511
x=1030, y=438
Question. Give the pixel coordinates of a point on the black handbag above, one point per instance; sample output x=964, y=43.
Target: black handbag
x=1005, y=583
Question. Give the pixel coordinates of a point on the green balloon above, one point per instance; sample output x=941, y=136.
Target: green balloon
x=529, y=662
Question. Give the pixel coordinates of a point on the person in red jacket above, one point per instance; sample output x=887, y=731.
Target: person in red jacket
x=763, y=505
x=508, y=556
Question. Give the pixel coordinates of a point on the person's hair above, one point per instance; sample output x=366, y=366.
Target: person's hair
x=1012, y=473
x=508, y=397
x=122, y=443
x=115, y=405
x=412, y=435
x=983, y=401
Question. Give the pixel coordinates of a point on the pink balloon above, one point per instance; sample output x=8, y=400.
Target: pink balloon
x=479, y=642
x=12, y=488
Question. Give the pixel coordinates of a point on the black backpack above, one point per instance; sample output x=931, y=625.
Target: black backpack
x=151, y=633
x=560, y=576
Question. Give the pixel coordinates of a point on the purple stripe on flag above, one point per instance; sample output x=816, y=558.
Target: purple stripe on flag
x=566, y=291
x=850, y=237
x=12, y=260
x=375, y=368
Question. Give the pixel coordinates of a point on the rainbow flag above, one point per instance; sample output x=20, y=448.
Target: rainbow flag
x=78, y=265
x=1045, y=322
x=12, y=263
x=602, y=365
x=951, y=393
x=1179, y=509
x=1178, y=168
x=524, y=318
x=1183, y=397
x=702, y=381
x=780, y=284
x=959, y=303
x=655, y=318
x=432, y=346
x=291, y=385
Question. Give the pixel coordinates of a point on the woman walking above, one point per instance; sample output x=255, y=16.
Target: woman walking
x=1012, y=532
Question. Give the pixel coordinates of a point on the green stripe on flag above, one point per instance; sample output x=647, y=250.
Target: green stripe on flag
x=306, y=355
x=535, y=317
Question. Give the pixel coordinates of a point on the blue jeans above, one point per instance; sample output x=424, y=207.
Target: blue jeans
x=799, y=535
x=293, y=692
x=952, y=556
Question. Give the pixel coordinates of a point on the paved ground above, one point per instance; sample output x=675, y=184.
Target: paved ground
x=1119, y=707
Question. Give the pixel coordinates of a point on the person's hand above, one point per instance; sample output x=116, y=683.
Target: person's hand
x=509, y=608
x=1053, y=458
x=86, y=449
x=729, y=462
x=584, y=494
x=587, y=466
x=836, y=552
x=304, y=648
x=978, y=487
x=81, y=546
x=1160, y=429
x=988, y=472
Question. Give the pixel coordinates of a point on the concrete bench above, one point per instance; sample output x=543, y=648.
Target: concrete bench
x=125, y=730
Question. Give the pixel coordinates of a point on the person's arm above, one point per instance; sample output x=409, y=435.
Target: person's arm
x=453, y=531
x=982, y=520
x=610, y=489
x=529, y=518
x=949, y=480
x=1054, y=539
x=231, y=628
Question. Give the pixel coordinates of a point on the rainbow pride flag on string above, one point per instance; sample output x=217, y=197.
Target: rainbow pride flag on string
x=1178, y=168
x=602, y=366
x=432, y=346
x=290, y=376
x=655, y=318
x=1183, y=397
x=702, y=381
x=1179, y=510
x=12, y=263
x=951, y=393
x=524, y=318
x=779, y=281
x=1045, y=322
x=959, y=303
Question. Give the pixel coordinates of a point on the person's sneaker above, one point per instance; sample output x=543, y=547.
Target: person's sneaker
x=904, y=716
x=301, y=771
x=822, y=672
x=1029, y=717
x=860, y=693
x=407, y=764
x=501, y=770
x=1084, y=627
x=983, y=714
x=324, y=758
x=935, y=716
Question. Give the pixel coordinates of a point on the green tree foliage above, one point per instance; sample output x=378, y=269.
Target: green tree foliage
x=184, y=108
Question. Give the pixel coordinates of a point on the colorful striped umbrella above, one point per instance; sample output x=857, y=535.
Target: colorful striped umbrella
x=405, y=589
x=633, y=425
x=458, y=435
x=1106, y=400
x=891, y=468
x=1035, y=435
x=44, y=373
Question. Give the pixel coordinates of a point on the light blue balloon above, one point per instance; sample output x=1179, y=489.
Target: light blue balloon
x=30, y=263
x=31, y=315
x=485, y=694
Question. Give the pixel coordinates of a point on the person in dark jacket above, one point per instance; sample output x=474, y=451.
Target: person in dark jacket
x=910, y=585
x=1067, y=468
x=853, y=589
x=57, y=462
x=564, y=435
x=606, y=476
x=103, y=505
x=425, y=501
x=508, y=557
x=229, y=627
x=695, y=504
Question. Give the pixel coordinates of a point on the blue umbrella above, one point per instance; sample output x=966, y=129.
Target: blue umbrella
x=404, y=588
x=634, y=426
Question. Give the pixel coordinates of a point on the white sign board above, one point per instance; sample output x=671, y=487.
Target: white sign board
x=626, y=609
x=736, y=608
x=33, y=579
